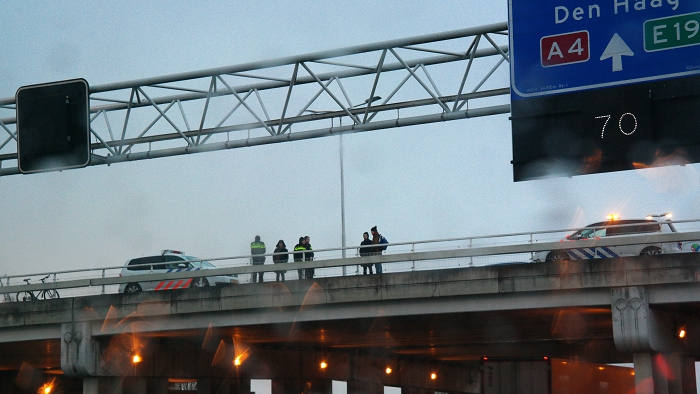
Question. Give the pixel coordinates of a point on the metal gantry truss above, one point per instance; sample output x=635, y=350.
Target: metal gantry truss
x=432, y=78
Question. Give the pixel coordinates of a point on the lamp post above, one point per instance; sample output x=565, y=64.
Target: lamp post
x=342, y=198
x=367, y=102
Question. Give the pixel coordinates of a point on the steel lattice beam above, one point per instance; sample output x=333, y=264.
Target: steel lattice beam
x=417, y=80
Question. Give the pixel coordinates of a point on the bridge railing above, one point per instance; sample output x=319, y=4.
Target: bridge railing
x=399, y=257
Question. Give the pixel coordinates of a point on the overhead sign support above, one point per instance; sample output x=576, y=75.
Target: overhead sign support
x=270, y=101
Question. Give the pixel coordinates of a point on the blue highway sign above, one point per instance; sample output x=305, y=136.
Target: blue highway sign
x=562, y=46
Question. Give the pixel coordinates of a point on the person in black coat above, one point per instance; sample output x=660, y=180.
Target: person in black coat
x=280, y=258
x=299, y=254
x=366, y=251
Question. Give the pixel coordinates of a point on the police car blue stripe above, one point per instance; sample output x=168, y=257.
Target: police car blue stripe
x=609, y=251
x=585, y=253
x=574, y=255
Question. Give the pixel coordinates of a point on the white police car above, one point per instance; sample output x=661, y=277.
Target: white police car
x=614, y=227
x=169, y=261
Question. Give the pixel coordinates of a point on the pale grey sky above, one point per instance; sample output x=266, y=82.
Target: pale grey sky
x=433, y=181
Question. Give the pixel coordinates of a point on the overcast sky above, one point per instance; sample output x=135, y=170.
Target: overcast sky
x=433, y=181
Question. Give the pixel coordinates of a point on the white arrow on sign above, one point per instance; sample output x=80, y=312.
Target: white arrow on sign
x=616, y=49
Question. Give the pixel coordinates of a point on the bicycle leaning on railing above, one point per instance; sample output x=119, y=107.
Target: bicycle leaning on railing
x=41, y=295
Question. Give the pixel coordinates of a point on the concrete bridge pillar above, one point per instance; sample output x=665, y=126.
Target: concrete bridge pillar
x=103, y=385
x=78, y=351
x=664, y=374
x=661, y=364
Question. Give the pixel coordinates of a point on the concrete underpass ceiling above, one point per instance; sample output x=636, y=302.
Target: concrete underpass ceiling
x=454, y=337
x=585, y=333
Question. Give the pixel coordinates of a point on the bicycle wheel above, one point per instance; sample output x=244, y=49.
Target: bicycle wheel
x=48, y=294
x=24, y=296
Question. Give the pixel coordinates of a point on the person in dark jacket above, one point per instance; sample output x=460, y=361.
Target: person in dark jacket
x=308, y=256
x=257, y=248
x=366, y=251
x=281, y=258
x=299, y=254
x=378, y=239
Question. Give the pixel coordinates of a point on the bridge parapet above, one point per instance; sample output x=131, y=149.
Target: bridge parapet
x=403, y=257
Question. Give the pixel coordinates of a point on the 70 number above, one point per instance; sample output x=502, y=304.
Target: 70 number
x=619, y=123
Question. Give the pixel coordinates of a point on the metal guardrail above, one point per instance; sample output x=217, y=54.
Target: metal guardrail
x=401, y=257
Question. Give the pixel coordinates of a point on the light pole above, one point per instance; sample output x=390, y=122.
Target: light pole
x=367, y=102
x=342, y=198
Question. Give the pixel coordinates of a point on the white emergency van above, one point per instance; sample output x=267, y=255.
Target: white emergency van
x=614, y=227
x=170, y=261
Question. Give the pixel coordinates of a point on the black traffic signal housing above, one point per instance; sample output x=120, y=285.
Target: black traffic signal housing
x=53, y=126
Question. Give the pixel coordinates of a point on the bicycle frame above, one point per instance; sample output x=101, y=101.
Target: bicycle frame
x=28, y=295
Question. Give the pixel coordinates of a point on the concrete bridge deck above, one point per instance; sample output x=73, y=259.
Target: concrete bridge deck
x=449, y=317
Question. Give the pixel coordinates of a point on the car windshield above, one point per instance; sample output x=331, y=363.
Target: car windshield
x=591, y=231
x=199, y=262
x=585, y=233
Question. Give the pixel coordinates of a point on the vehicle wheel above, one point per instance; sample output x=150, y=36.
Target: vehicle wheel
x=132, y=288
x=200, y=282
x=557, y=255
x=24, y=296
x=49, y=294
x=650, y=251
